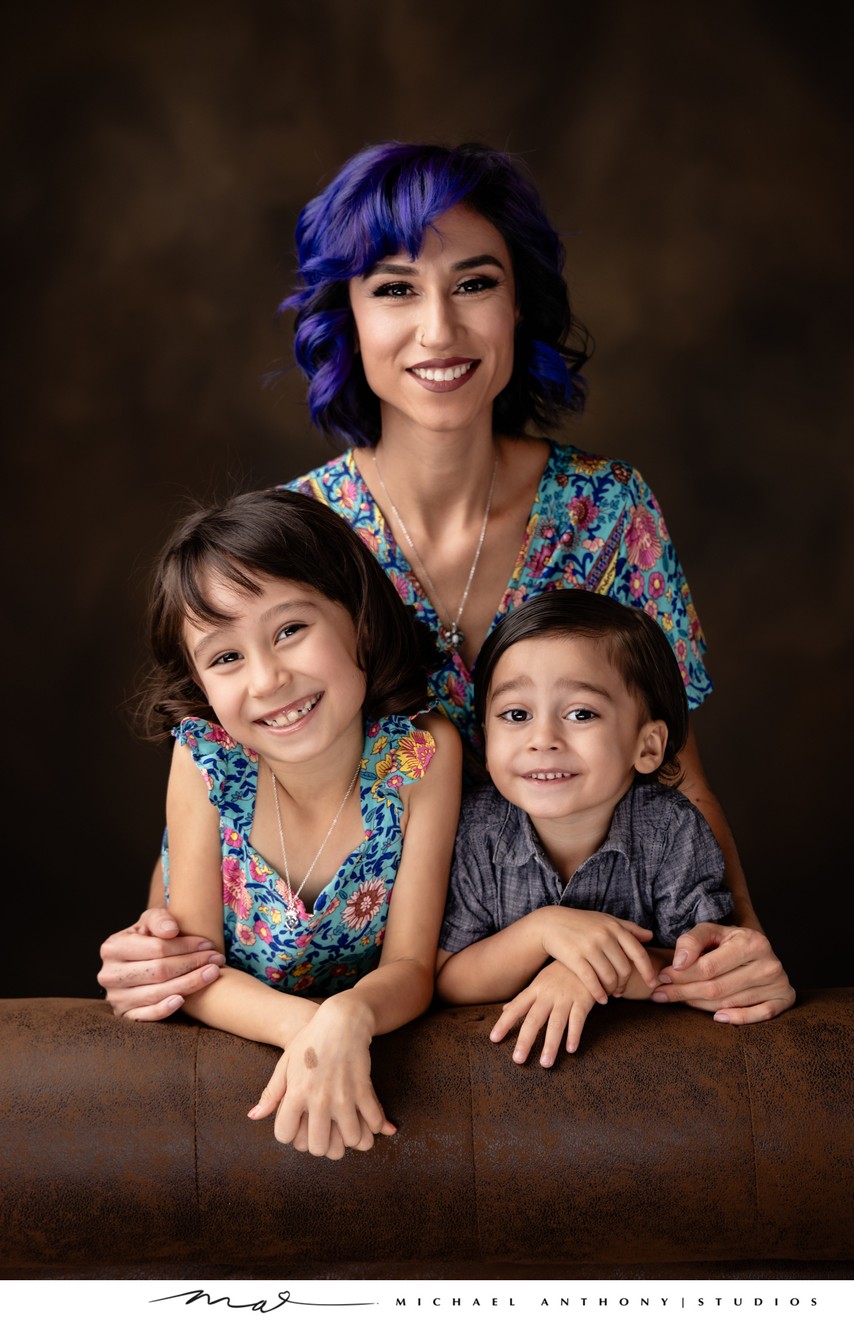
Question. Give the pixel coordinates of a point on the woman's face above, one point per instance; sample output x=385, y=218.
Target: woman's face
x=436, y=334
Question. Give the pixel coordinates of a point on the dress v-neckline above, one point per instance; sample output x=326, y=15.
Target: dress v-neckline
x=383, y=525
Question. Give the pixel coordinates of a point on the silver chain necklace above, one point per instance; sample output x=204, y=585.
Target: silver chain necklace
x=451, y=633
x=291, y=919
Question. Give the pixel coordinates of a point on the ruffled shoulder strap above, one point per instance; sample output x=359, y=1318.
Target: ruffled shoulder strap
x=397, y=753
x=229, y=769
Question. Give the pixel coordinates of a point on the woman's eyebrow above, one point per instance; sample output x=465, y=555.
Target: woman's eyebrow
x=466, y=264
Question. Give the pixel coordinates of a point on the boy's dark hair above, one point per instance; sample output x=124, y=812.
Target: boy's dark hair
x=382, y=201
x=283, y=535
x=633, y=642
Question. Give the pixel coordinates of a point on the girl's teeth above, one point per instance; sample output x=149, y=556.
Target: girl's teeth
x=443, y=373
x=291, y=716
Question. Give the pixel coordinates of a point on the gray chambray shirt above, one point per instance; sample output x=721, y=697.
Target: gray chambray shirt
x=659, y=866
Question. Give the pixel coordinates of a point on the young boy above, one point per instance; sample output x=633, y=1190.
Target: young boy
x=578, y=853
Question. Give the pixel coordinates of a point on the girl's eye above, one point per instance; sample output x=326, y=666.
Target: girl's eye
x=514, y=715
x=392, y=289
x=581, y=714
x=289, y=630
x=225, y=659
x=476, y=284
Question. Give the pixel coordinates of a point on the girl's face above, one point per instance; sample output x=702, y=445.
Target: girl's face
x=436, y=334
x=564, y=736
x=281, y=674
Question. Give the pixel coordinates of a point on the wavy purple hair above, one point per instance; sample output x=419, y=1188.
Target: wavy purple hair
x=380, y=203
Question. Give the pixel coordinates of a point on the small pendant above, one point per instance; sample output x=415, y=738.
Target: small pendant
x=291, y=919
x=453, y=636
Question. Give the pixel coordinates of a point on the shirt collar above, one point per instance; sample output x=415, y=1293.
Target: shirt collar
x=517, y=841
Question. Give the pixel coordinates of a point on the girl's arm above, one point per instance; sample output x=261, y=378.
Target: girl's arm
x=740, y=980
x=322, y=1083
x=237, y=1002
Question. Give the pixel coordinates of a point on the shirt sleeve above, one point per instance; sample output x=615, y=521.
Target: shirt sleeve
x=648, y=574
x=688, y=887
x=471, y=905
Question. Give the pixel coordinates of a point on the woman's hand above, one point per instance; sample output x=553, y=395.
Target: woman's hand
x=322, y=1085
x=149, y=968
x=739, y=979
x=556, y=998
x=602, y=951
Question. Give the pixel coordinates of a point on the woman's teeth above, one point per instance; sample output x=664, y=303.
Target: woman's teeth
x=443, y=373
x=292, y=715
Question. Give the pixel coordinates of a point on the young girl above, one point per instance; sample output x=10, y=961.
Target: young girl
x=310, y=818
x=579, y=854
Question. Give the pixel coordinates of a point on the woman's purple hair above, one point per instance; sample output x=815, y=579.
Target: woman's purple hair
x=380, y=203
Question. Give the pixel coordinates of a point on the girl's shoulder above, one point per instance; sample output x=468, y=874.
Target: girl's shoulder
x=398, y=750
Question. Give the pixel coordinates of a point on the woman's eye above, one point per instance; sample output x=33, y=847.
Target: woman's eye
x=476, y=284
x=393, y=289
x=514, y=715
x=581, y=714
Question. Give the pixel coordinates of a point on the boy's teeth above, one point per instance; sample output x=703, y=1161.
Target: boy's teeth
x=443, y=373
x=548, y=775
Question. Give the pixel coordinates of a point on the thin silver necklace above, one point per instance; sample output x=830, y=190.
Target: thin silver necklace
x=291, y=919
x=451, y=633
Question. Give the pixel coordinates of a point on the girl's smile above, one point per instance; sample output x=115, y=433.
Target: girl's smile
x=280, y=670
x=440, y=324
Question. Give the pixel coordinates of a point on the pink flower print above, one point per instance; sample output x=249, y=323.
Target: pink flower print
x=683, y=671
x=232, y=837
x=380, y=937
x=621, y=473
x=637, y=584
x=662, y=528
x=234, y=893
x=394, y=782
x=642, y=545
x=302, y=983
x=263, y=930
x=582, y=511
x=258, y=871
x=245, y=935
x=651, y=610
x=251, y=755
x=347, y=493
x=657, y=584
x=566, y=539
x=680, y=649
x=207, y=777
x=216, y=735
x=593, y=544
x=373, y=729
x=302, y=940
x=273, y=975
x=455, y=691
x=370, y=539
x=364, y=904
x=539, y=560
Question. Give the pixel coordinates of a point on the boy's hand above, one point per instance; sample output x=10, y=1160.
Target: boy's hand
x=602, y=951
x=556, y=998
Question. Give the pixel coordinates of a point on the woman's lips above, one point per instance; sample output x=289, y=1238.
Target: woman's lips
x=443, y=374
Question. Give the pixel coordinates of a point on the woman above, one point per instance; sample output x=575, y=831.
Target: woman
x=434, y=326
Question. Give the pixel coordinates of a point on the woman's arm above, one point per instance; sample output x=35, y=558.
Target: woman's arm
x=322, y=1084
x=740, y=980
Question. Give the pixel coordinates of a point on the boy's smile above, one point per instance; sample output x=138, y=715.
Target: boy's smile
x=564, y=736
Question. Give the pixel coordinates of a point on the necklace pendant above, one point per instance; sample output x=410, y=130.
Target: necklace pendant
x=291, y=919
x=454, y=636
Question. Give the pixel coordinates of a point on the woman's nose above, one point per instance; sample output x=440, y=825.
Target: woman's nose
x=437, y=322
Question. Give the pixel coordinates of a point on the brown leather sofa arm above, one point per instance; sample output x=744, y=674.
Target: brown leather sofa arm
x=669, y=1143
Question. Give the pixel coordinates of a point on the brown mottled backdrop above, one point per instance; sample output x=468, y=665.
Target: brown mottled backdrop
x=157, y=157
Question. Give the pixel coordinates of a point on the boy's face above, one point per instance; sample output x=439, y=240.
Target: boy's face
x=564, y=736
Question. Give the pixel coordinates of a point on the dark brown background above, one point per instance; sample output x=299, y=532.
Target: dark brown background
x=158, y=155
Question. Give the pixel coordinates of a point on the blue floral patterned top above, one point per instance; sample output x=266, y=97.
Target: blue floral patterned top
x=340, y=939
x=594, y=524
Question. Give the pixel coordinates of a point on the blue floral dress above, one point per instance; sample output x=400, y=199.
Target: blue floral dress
x=594, y=524
x=340, y=939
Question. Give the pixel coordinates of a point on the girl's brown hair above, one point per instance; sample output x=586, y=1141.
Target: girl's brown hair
x=280, y=534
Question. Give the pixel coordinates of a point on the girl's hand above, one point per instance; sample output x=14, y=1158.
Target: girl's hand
x=740, y=980
x=322, y=1085
x=602, y=951
x=556, y=998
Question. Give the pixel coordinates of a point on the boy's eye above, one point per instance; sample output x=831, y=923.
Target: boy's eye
x=514, y=715
x=581, y=714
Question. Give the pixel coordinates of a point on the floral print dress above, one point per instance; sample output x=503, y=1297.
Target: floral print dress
x=340, y=939
x=594, y=524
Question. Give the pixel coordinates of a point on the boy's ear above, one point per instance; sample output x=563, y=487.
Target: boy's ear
x=650, y=748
